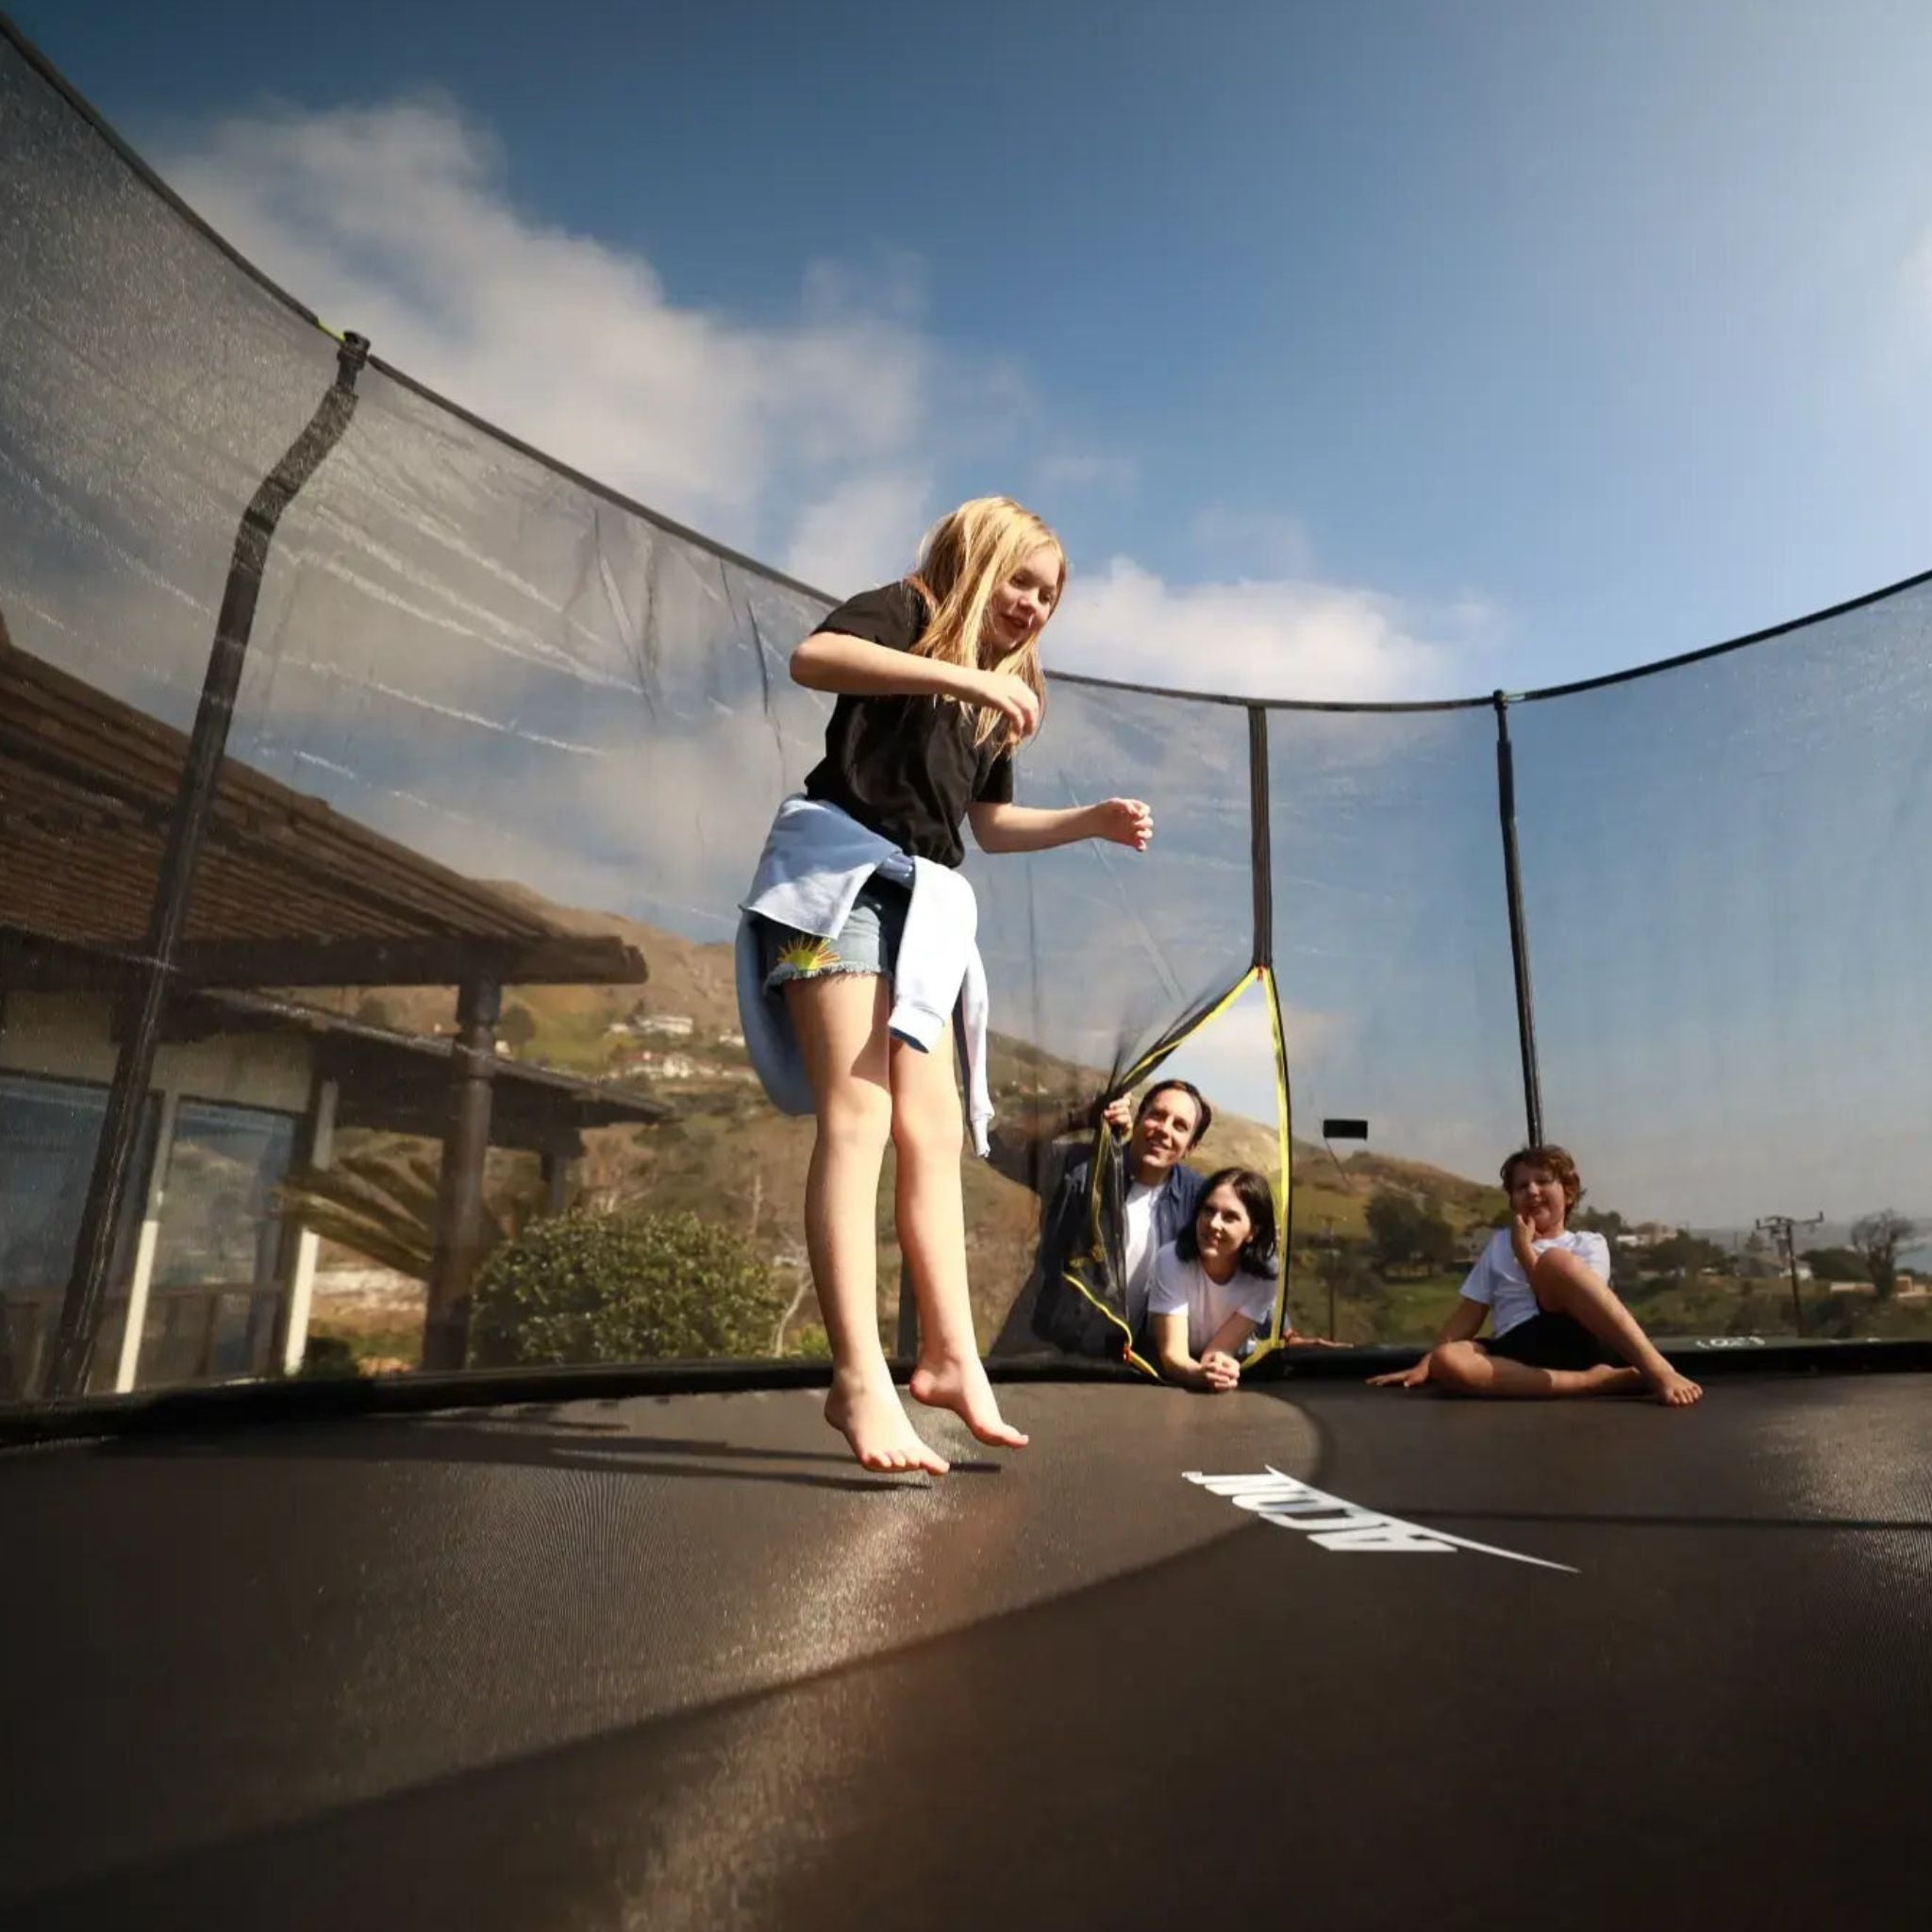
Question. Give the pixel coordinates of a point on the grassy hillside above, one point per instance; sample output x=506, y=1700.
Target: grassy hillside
x=726, y=1155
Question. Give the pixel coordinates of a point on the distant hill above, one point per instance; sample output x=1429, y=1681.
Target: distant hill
x=686, y=977
x=1465, y=1204
x=725, y=1155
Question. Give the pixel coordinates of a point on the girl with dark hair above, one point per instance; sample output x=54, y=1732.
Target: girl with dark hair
x=1214, y=1284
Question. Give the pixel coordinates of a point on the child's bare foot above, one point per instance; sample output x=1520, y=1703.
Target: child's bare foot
x=959, y=1383
x=1677, y=1391
x=1612, y=1381
x=869, y=1416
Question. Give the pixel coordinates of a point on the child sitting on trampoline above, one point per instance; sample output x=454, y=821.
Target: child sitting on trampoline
x=857, y=949
x=1558, y=1327
x=1214, y=1284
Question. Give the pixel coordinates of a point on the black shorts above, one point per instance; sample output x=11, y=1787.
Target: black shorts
x=1552, y=1340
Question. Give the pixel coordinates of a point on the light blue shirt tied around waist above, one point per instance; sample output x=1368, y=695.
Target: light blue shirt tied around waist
x=816, y=860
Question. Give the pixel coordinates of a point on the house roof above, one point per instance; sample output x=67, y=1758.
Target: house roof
x=287, y=891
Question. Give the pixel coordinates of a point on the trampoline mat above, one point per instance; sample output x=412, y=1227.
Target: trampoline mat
x=676, y=1662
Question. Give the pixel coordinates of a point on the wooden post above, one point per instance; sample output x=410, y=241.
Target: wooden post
x=127, y=1367
x=314, y=1147
x=559, y=1167
x=459, y=1199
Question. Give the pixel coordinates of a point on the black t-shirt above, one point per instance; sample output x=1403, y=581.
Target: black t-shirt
x=906, y=767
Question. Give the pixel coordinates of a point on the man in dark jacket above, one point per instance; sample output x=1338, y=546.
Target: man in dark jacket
x=1114, y=1205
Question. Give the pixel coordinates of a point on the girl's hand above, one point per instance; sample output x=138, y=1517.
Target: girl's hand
x=1126, y=821
x=1014, y=698
x=1223, y=1372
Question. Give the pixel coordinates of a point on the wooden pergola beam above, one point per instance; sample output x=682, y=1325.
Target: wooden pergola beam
x=32, y=963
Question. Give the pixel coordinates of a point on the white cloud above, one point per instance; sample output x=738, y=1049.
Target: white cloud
x=821, y=442
x=394, y=220
x=1284, y=638
x=864, y=532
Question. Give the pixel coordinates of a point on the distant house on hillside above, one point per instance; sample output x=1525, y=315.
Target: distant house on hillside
x=1646, y=1234
x=663, y=1027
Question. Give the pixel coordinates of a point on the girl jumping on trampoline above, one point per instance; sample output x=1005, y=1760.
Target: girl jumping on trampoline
x=856, y=948
x=1559, y=1329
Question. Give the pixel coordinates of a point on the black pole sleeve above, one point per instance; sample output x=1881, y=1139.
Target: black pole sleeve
x=1260, y=843
x=141, y=1004
x=1519, y=928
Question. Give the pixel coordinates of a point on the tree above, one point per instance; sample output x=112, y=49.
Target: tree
x=1603, y=1221
x=1685, y=1254
x=1836, y=1264
x=623, y=1287
x=382, y=1203
x=1404, y=1233
x=1435, y=1245
x=1878, y=1238
x=374, y=1011
x=517, y=1027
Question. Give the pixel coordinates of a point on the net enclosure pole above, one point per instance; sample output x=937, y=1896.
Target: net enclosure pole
x=1262, y=857
x=1519, y=926
x=1261, y=863
x=144, y=998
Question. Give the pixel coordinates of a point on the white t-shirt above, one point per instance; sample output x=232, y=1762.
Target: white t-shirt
x=1138, y=1213
x=1498, y=1282
x=1186, y=1287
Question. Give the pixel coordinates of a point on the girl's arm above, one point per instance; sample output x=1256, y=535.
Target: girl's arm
x=1169, y=1333
x=1030, y=828
x=829, y=660
x=1222, y=1356
x=1227, y=1338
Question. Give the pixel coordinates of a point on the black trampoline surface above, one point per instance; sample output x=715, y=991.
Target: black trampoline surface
x=676, y=1662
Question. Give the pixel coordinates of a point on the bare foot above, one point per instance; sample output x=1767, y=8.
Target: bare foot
x=959, y=1384
x=1612, y=1381
x=1677, y=1392
x=869, y=1416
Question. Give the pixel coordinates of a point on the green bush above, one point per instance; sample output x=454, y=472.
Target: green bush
x=629, y=1287
x=327, y=1357
x=810, y=1344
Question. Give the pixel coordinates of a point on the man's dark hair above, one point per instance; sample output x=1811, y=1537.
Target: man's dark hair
x=1257, y=1198
x=1204, y=1112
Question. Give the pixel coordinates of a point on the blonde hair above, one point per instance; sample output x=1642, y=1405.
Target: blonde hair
x=966, y=557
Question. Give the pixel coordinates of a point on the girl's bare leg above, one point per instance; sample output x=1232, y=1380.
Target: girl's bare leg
x=929, y=1137
x=1561, y=1281
x=1464, y=1369
x=840, y=1021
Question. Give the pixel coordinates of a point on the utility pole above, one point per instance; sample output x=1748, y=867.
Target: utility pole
x=1780, y=1227
x=1328, y=1256
x=1334, y=1129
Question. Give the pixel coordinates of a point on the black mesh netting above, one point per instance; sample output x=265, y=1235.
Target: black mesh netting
x=504, y=750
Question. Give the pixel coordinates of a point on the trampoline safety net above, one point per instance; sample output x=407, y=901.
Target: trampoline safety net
x=396, y=1027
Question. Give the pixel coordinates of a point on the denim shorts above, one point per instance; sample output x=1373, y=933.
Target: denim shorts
x=867, y=942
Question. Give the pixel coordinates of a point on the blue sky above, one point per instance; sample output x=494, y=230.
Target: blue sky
x=1384, y=349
